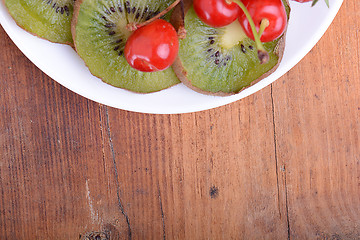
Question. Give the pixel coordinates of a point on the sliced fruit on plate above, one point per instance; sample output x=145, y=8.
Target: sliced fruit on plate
x=48, y=19
x=100, y=31
x=222, y=61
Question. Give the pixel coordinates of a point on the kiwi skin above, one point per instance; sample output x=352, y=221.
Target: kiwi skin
x=181, y=73
x=74, y=19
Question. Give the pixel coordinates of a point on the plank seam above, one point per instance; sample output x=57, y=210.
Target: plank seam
x=276, y=165
x=116, y=173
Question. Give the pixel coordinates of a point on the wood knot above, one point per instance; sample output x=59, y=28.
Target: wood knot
x=107, y=232
x=95, y=236
x=214, y=192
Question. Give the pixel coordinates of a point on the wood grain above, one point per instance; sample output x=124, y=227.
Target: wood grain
x=317, y=112
x=283, y=163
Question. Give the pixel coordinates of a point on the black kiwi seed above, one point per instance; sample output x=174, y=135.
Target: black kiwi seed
x=213, y=53
x=127, y=6
x=243, y=49
x=120, y=53
x=133, y=10
x=144, y=12
x=137, y=15
x=120, y=9
x=67, y=10
x=109, y=25
x=112, y=9
x=119, y=41
x=251, y=47
x=103, y=17
x=116, y=48
x=54, y=5
x=111, y=33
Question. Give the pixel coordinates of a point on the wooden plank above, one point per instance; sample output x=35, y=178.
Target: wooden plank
x=54, y=180
x=198, y=176
x=317, y=112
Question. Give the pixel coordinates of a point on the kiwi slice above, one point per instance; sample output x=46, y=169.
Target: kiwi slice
x=100, y=34
x=222, y=61
x=48, y=19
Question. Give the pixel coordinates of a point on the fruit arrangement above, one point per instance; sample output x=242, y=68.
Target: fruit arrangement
x=216, y=47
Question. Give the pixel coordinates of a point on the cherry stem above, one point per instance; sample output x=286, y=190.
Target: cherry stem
x=134, y=26
x=262, y=53
x=264, y=24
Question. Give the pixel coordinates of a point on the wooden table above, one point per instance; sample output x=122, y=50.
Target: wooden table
x=283, y=163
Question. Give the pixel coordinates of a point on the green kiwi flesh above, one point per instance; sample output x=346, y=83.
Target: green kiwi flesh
x=206, y=66
x=48, y=19
x=100, y=34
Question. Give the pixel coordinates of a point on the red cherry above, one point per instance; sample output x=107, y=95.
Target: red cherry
x=272, y=10
x=152, y=47
x=216, y=13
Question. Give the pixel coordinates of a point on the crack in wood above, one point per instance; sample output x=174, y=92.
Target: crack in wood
x=116, y=173
x=275, y=148
x=286, y=205
x=276, y=165
x=162, y=214
x=102, y=142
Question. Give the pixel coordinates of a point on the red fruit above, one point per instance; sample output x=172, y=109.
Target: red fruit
x=216, y=13
x=272, y=10
x=302, y=1
x=152, y=47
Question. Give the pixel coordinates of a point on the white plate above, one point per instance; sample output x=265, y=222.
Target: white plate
x=60, y=62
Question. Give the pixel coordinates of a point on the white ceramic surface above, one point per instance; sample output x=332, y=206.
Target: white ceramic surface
x=60, y=62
